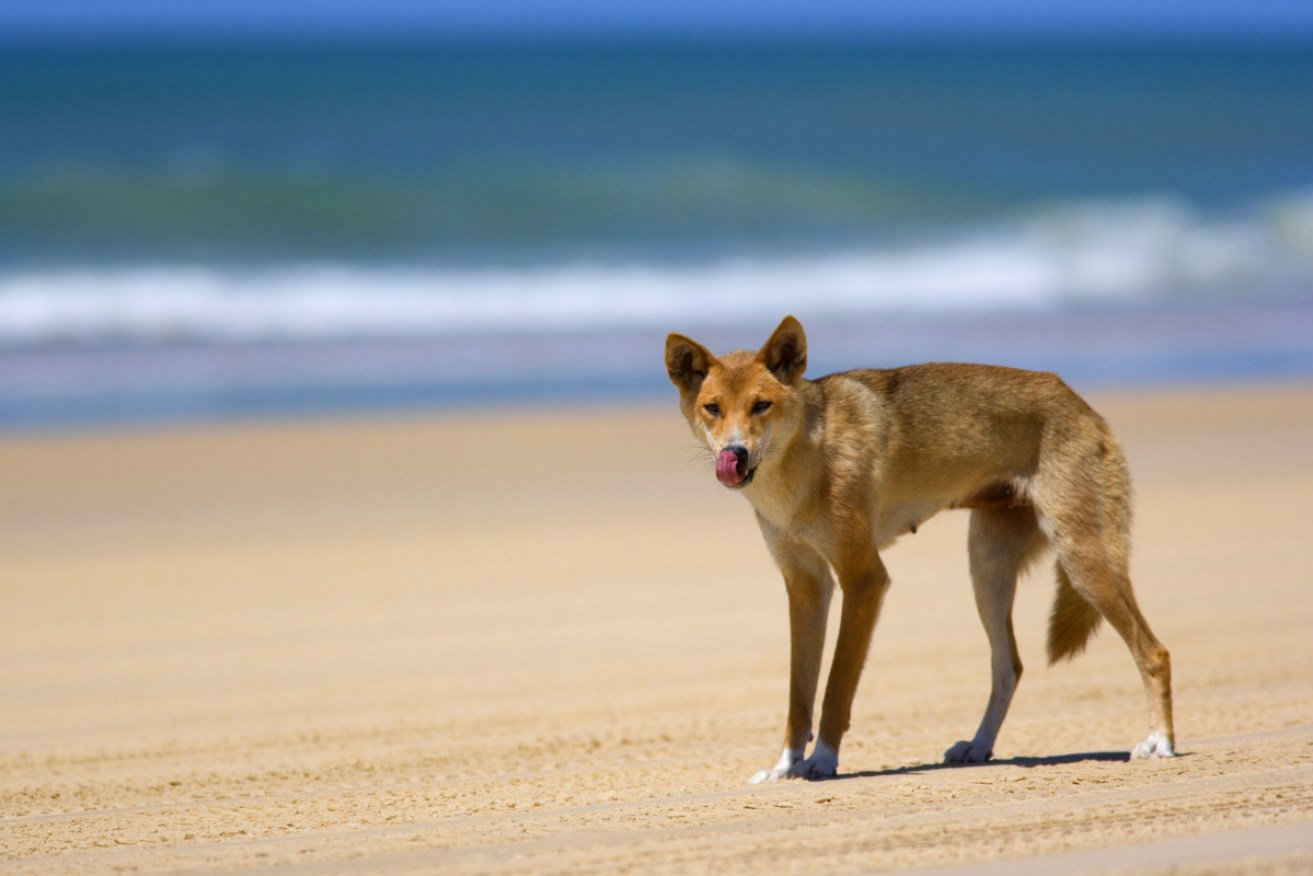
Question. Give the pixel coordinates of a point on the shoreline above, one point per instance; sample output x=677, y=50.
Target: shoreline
x=1096, y=350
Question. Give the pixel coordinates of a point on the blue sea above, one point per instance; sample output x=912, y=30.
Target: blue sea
x=207, y=231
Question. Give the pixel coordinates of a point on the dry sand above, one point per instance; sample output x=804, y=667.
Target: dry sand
x=521, y=643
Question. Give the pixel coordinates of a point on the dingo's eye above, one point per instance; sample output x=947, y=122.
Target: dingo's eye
x=761, y=407
x=713, y=409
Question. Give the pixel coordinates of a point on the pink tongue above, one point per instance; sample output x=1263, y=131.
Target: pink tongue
x=727, y=468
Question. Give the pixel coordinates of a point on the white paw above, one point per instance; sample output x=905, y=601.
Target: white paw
x=823, y=764
x=967, y=752
x=788, y=758
x=1156, y=746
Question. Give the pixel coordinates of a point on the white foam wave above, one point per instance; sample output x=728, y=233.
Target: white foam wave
x=1129, y=252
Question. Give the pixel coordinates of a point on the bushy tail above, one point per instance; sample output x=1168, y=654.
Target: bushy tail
x=1072, y=621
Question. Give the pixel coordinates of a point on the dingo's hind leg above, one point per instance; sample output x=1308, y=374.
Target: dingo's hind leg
x=1108, y=589
x=1090, y=530
x=1002, y=541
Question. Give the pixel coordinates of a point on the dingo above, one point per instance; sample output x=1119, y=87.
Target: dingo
x=837, y=468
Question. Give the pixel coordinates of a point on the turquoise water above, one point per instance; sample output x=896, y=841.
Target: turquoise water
x=459, y=152
x=194, y=209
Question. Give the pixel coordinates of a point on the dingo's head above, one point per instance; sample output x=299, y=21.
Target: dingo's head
x=742, y=404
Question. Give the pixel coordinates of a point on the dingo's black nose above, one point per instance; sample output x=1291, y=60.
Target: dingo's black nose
x=741, y=454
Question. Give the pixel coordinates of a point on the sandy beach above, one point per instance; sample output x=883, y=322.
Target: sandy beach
x=545, y=642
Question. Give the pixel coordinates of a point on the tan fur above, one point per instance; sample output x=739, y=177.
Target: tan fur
x=838, y=468
x=1072, y=621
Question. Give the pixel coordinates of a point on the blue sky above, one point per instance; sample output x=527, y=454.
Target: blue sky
x=199, y=18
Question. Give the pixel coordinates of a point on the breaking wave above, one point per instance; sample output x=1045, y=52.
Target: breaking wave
x=1143, y=251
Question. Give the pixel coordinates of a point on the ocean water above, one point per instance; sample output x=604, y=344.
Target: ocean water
x=207, y=231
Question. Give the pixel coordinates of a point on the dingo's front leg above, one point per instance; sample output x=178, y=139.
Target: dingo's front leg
x=810, y=586
x=863, y=583
x=788, y=758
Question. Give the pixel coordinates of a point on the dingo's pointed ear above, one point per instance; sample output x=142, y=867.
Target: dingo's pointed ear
x=785, y=354
x=687, y=362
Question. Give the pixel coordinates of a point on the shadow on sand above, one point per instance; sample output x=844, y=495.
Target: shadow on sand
x=1028, y=762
